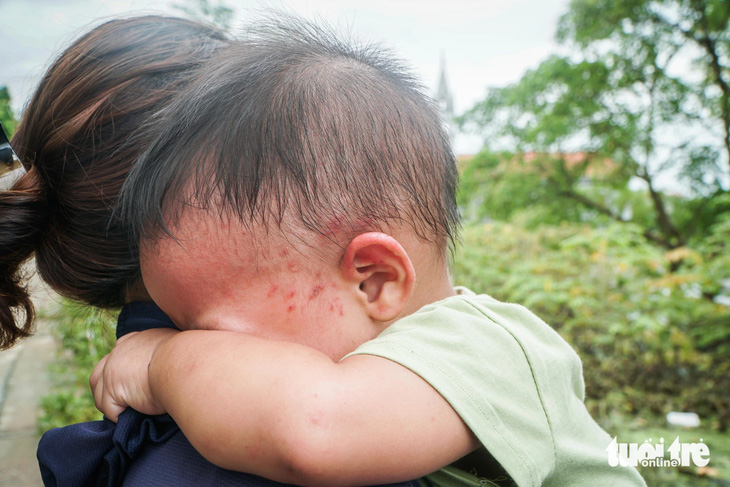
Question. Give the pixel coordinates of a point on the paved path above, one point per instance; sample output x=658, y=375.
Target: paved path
x=24, y=380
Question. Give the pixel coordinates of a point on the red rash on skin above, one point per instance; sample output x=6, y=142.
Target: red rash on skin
x=272, y=290
x=316, y=290
x=293, y=266
x=336, y=306
x=290, y=308
x=290, y=294
x=334, y=226
x=284, y=252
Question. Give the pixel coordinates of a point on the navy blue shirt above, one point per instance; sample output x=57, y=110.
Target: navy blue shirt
x=139, y=450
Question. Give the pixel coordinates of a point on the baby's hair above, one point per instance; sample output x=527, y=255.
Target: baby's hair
x=79, y=137
x=292, y=120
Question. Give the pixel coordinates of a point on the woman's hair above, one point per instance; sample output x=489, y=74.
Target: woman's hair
x=80, y=134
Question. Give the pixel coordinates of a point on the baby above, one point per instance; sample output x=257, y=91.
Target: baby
x=302, y=198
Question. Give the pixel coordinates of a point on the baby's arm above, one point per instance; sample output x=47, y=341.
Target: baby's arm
x=288, y=412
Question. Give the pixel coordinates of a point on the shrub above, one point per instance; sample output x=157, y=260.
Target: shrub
x=639, y=317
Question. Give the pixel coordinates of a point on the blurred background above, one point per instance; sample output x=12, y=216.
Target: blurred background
x=593, y=138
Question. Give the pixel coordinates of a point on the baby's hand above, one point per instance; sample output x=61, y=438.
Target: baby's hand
x=120, y=380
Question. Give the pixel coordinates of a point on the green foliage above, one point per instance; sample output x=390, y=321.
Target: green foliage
x=528, y=187
x=86, y=336
x=6, y=112
x=626, y=100
x=218, y=14
x=651, y=342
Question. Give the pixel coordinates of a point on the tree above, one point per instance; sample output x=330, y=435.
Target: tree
x=7, y=118
x=643, y=95
x=219, y=14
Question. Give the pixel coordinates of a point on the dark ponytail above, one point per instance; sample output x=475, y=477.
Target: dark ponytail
x=86, y=124
x=23, y=212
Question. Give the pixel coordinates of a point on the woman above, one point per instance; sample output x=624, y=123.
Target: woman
x=89, y=119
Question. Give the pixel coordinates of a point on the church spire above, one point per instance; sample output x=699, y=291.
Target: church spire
x=443, y=93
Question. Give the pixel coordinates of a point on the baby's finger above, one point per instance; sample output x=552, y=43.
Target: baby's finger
x=98, y=392
x=110, y=408
x=96, y=374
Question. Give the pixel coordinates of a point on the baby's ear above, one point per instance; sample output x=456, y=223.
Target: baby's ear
x=381, y=274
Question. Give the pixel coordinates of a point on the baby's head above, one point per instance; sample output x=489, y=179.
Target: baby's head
x=300, y=177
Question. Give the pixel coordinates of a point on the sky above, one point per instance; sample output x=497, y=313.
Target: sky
x=485, y=43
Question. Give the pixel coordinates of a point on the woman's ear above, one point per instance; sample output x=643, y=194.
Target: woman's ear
x=381, y=274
